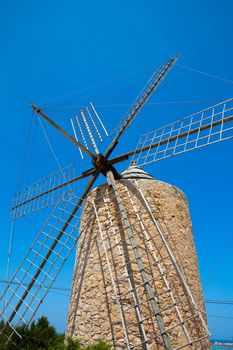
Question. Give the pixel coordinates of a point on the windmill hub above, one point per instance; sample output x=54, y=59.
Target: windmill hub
x=101, y=164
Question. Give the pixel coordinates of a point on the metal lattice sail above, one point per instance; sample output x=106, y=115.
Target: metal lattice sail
x=150, y=298
x=209, y=126
x=44, y=193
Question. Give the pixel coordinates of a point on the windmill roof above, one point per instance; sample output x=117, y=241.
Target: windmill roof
x=135, y=172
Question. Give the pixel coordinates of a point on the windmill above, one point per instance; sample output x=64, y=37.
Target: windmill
x=166, y=313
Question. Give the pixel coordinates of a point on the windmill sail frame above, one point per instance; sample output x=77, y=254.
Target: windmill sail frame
x=44, y=193
x=41, y=265
x=209, y=126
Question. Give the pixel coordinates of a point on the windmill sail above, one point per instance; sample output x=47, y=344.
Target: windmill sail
x=43, y=262
x=88, y=125
x=44, y=193
x=209, y=126
x=143, y=97
x=41, y=265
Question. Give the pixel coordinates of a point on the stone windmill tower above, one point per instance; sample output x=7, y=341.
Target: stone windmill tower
x=136, y=281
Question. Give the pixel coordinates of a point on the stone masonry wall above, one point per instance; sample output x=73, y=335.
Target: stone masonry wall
x=109, y=300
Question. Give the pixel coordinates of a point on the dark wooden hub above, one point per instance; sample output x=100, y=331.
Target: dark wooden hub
x=101, y=164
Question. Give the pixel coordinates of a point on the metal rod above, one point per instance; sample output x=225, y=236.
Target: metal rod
x=148, y=288
x=89, y=133
x=99, y=118
x=78, y=277
x=94, y=124
x=75, y=134
x=128, y=273
x=173, y=258
x=145, y=233
x=81, y=132
x=116, y=292
x=107, y=298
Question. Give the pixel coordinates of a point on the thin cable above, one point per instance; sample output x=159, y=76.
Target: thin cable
x=4, y=173
x=12, y=231
x=9, y=255
x=125, y=76
x=162, y=103
x=220, y=302
x=65, y=289
x=106, y=82
x=148, y=104
x=52, y=150
x=225, y=250
x=220, y=316
x=24, y=167
x=204, y=73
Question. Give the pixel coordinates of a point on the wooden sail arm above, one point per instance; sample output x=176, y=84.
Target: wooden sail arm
x=182, y=135
x=86, y=174
x=152, y=84
x=165, y=141
x=62, y=131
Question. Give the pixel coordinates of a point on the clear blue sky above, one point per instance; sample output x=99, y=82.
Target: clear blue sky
x=51, y=48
